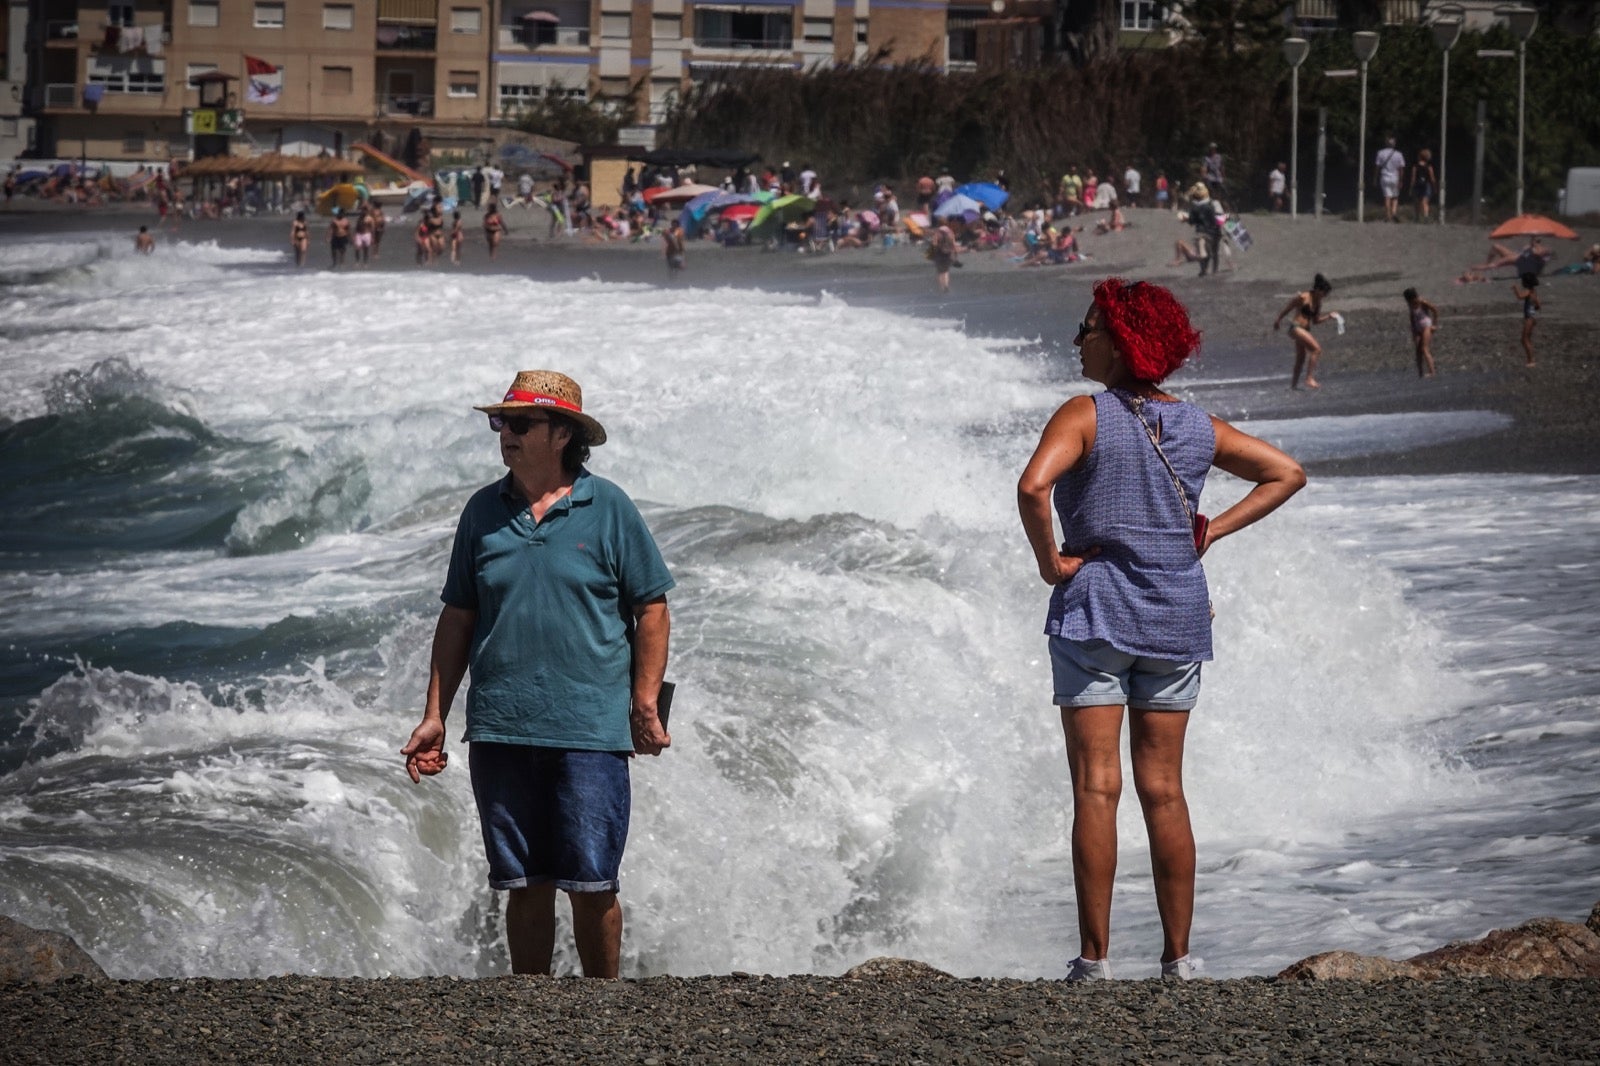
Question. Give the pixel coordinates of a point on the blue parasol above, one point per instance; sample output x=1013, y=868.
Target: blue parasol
x=991, y=196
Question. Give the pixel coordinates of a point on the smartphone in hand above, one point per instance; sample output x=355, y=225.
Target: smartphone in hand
x=664, y=701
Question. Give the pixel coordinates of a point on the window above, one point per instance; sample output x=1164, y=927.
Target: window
x=338, y=81
x=733, y=27
x=466, y=20
x=515, y=98
x=133, y=142
x=128, y=74
x=861, y=31
x=464, y=84
x=616, y=26
x=194, y=70
x=667, y=27
x=961, y=26
x=204, y=12
x=1139, y=15
x=819, y=29
x=338, y=16
x=119, y=14
x=269, y=16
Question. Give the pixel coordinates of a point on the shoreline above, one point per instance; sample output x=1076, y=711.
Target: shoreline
x=1554, y=407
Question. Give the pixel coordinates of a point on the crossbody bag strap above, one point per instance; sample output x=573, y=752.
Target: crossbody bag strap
x=1135, y=404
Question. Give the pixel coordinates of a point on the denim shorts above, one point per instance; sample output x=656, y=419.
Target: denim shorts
x=551, y=815
x=1091, y=673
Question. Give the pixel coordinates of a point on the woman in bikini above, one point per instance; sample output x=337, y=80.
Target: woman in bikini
x=456, y=237
x=1306, y=307
x=1424, y=320
x=493, y=227
x=300, y=238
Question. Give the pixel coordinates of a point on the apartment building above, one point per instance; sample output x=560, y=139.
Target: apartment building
x=116, y=80
x=16, y=126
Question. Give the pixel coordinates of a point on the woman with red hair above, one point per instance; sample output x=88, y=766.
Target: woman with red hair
x=1130, y=620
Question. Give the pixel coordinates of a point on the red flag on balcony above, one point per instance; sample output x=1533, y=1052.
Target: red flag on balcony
x=263, y=81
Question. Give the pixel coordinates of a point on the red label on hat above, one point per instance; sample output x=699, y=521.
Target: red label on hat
x=541, y=400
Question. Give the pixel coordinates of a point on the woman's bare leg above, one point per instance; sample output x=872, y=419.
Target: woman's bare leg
x=1527, y=339
x=1157, y=745
x=1094, y=752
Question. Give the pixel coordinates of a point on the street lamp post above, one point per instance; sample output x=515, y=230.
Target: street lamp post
x=1446, y=31
x=1522, y=21
x=1295, y=50
x=1366, y=44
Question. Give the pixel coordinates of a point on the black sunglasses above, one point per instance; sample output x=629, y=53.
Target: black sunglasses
x=517, y=424
x=1084, y=329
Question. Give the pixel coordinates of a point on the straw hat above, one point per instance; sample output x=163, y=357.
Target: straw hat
x=547, y=389
x=1198, y=191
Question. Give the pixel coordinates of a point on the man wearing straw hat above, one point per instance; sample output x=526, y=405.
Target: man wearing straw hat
x=556, y=597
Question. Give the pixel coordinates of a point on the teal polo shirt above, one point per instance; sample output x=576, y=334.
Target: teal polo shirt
x=550, y=659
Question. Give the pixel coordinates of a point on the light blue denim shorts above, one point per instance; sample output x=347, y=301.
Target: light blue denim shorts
x=1091, y=673
x=551, y=815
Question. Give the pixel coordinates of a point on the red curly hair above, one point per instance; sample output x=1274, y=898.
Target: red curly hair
x=1149, y=326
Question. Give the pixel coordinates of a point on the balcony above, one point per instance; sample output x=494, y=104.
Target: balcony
x=405, y=37
x=779, y=43
x=417, y=105
x=536, y=35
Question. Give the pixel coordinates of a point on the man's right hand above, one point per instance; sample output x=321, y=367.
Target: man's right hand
x=424, y=752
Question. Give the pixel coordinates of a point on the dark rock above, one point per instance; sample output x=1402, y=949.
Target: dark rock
x=885, y=968
x=1594, y=919
x=39, y=956
x=1543, y=947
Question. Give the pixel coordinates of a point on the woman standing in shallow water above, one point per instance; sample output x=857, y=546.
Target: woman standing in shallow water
x=1306, y=307
x=1130, y=620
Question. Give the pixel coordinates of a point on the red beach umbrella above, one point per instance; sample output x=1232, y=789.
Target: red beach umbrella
x=1532, y=226
x=741, y=212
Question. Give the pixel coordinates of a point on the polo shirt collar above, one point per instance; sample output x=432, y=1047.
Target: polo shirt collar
x=582, y=489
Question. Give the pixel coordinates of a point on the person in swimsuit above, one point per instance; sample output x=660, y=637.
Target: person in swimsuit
x=1528, y=293
x=494, y=228
x=942, y=250
x=1424, y=320
x=300, y=238
x=338, y=237
x=424, y=243
x=435, y=220
x=1129, y=624
x=378, y=222
x=1306, y=307
x=143, y=242
x=457, y=236
x=363, y=236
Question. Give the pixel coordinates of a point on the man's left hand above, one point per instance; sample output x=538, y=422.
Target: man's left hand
x=649, y=736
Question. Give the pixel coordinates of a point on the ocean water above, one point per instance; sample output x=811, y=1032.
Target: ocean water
x=229, y=492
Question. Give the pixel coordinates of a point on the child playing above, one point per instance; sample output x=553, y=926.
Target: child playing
x=1424, y=320
x=1528, y=293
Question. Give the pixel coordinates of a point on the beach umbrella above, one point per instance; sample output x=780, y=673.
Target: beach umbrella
x=783, y=210
x=741, y=212
x=1532, y=226
x=991, y=196
x=958, y=205
x=681, y=194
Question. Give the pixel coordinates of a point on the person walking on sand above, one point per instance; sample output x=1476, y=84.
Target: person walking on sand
x=143, y=242
x=1390, y=164
x=1423, y=182
x=942, y=250
x=494, y=227
x=1528, y=293
x=1276, y=186
x=1129, y=623
x=672, y=244
x=1306, y=309
x=1203, y=212
x=556, y=597
x=1424, y=320
x=300, y=238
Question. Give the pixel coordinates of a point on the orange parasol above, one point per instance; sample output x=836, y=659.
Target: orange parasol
x=1532, y=226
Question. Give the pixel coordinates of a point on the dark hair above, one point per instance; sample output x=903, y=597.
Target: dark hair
x=458, y=216
x=576, y=453
x=1321, y=284
x=1410, y=294
x=1530, y=281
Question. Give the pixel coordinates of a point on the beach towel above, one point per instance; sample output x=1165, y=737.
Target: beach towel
x=1238, y=234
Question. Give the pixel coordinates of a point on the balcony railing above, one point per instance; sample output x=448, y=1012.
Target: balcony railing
x=741, y=44
x=544, y=35
x=403, y=38
x=417, y=104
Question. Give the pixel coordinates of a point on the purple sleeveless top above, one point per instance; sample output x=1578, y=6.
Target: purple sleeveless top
x=1145, y=593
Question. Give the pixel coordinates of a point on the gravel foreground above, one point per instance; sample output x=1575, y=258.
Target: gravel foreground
x=741, y=1018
